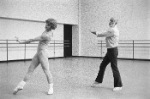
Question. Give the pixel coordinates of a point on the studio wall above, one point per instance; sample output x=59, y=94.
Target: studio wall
x=25, y=19
x=64, y=11
x=132, y=18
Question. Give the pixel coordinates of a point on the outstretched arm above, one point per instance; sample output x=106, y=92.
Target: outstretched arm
x=104, y=34
x=28, y=41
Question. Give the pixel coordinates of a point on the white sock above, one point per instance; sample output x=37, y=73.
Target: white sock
x=50, y=91
x=51, y=85
x=22, y=84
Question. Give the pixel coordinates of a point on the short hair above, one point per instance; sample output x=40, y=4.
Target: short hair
x=114, y=20
x=52, y=22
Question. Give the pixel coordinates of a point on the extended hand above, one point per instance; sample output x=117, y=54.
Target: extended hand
x=17, y=39
x=93, y=32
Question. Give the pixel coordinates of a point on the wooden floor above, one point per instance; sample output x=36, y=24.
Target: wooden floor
x=73, y=78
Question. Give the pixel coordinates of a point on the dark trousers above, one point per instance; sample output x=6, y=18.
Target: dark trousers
x=110, y=57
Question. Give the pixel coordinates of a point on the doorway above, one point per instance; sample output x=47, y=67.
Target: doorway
x=67, y=40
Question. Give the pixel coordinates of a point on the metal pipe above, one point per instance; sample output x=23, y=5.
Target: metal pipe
x=7, y=49
x=133, y=49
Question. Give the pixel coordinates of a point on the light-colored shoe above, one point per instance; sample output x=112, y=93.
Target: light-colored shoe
x=17, y=89
x=50, y=91
x=96, y=84
x=117, y=89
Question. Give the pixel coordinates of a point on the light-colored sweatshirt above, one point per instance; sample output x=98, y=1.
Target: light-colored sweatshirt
x=112, y=37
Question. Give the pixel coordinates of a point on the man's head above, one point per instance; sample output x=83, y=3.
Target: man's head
x=113, y=22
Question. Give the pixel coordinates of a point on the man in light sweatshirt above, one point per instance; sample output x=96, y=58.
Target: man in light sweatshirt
x=112, y=40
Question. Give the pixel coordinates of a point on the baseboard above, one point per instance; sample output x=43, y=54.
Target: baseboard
x=118, y=58
x=26, y=59
x=75, y=57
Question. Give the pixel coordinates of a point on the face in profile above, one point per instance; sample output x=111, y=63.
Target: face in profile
x=51, y=24
x=112, y=22
x=47, y=27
